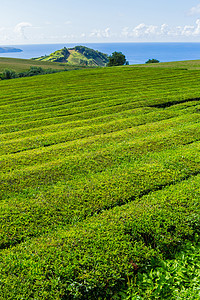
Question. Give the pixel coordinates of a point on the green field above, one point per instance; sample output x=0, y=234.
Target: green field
x=21, y=65
x=187, y=64
x=100, y=184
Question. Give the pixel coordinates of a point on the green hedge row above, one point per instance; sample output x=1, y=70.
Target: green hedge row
x=62, y=194
x=94, y=258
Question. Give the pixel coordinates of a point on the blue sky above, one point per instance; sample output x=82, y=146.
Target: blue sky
x=63, y=21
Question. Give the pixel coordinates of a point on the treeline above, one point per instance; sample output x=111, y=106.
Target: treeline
x=33, y=71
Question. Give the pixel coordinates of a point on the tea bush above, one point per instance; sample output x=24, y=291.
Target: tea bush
x=99, y=180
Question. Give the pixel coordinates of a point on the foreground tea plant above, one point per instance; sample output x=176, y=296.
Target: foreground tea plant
x=177, y=278
x=99, y=183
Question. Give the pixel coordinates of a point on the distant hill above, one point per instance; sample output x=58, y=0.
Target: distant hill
x=79, y=55
x=9, y=49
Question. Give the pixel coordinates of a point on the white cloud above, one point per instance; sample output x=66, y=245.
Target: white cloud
x=144, y=31
x=107, y=32
x=20, y=28
x=195, y=10
x=101, y=33
x=164, y=29
x=125, y=31
x=187, y=30
x=138, y=30
x=152, y=29
x=141, y=32
x=197, y=29
x=5, y=35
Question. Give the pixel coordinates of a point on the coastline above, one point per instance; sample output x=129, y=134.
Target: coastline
x=136, y=53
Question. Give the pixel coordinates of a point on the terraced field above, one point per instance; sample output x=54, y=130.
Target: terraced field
x=100, y=173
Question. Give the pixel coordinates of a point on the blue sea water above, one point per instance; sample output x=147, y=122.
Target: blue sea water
x=136, y=53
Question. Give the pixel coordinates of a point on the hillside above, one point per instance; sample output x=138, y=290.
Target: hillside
x=78, y=55
x=21, y=65
x=100, y=183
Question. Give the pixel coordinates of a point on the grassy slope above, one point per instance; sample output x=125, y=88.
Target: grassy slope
x=21, y=65
x=99, y=174
x=75, y=57
x=187, y=64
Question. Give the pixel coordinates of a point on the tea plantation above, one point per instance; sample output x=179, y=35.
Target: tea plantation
x=100, y=184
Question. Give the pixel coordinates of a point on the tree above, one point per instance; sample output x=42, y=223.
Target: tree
x=152, y=61
x=116, y=59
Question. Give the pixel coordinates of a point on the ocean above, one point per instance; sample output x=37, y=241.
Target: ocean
x=136, y=53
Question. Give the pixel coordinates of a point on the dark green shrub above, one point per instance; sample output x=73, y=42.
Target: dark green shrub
x=152, y=61
x=33, y=71
x=9, y=74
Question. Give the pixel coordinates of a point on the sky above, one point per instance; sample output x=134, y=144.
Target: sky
x=90, y=21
